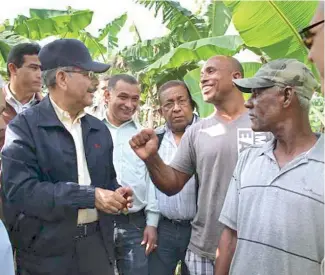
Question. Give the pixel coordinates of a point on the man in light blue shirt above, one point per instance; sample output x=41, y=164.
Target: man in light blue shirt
x=136, y=230
x=6, y=257
x=177, y=212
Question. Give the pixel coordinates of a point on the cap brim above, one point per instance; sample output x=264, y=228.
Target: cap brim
x=246, y=85
x=96, y=67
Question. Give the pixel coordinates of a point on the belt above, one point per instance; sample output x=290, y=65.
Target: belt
x=131, y=217
x=177, y=222
x=86, y=229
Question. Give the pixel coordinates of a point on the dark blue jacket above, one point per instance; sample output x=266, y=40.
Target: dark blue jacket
x=39, y=186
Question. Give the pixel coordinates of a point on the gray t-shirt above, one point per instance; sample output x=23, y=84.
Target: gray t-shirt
x=278, y=213
x=210, y=147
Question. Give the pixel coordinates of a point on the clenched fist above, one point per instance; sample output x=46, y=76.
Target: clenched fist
x=145, y=144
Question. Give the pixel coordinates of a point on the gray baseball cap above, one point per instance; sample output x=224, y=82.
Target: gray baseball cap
x=282, y=72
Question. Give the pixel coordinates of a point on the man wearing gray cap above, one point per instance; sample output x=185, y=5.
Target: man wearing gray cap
x=59, y=182
x=274, y=208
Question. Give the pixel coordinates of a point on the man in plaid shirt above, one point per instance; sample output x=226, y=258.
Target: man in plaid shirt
x=177, y=212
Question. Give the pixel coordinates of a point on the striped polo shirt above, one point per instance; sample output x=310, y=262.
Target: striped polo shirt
x=278, y=213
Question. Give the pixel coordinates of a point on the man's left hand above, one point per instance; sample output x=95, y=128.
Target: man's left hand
x=127, y=193
x=149, y=239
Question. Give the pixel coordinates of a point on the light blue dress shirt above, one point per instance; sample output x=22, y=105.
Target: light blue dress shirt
x=131, y=171
x=6, y=256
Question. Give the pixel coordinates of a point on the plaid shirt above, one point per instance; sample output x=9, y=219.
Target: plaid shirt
x=181, y=206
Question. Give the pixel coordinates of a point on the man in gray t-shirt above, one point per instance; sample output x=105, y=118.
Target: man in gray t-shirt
x=209, y=148
x=274, y=209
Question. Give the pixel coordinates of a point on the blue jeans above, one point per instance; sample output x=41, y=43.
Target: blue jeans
x=173, y=239
x=130, y=255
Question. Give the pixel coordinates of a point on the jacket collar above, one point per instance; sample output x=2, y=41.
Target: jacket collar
x=48, y=118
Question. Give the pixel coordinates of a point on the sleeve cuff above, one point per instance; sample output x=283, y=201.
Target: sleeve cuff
x=227, y=222
x=86, y=197
x=179, y=168
x=152, y=218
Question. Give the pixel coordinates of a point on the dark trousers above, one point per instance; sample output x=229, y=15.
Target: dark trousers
x=173, y=239
x=90, y=258
x=129, y=253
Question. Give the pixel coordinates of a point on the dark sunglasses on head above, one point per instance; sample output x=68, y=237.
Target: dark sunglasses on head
x=307, y=36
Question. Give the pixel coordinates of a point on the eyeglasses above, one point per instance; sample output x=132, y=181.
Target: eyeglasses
x=90, y=74
x=307, y=36
x=170, y=105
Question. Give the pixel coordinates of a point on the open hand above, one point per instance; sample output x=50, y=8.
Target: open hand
x=149, y=239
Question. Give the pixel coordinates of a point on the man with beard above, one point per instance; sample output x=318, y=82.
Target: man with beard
x=59, y=182
x=210, y=148
x=136, y=230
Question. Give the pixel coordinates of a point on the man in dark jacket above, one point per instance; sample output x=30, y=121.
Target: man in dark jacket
x=59, y=183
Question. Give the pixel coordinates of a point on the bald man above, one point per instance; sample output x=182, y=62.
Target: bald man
x=313, y=37
x=209, y=148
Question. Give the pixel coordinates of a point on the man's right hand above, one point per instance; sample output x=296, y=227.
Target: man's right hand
x=109, y=201
x=145, y=144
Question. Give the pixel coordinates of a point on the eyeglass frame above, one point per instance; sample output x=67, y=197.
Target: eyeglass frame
x=306, y=34
x=89, y=74
x=181, y=103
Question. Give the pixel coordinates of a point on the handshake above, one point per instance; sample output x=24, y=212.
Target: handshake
x=113, y=202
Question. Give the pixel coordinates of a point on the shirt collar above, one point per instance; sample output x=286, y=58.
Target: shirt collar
x=64, y=115
x=10, y=96
x=315, y=153
x=131, y=122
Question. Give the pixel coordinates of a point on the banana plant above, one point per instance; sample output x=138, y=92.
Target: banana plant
x=268, y=28
x=69, y=23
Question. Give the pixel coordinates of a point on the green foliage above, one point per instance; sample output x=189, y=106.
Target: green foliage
x=45, y=23
x=183, y=24
x=144, y=53
x=197, y=50
x=111, y=31
x=218, y=18
x=273, y=26
x=7, y=40
x=268, y=28
x=316, y=114
x=69, y=23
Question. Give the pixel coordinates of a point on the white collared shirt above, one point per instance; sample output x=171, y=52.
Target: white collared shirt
x=132, y=172
x=13, y=102
x=74, y=128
